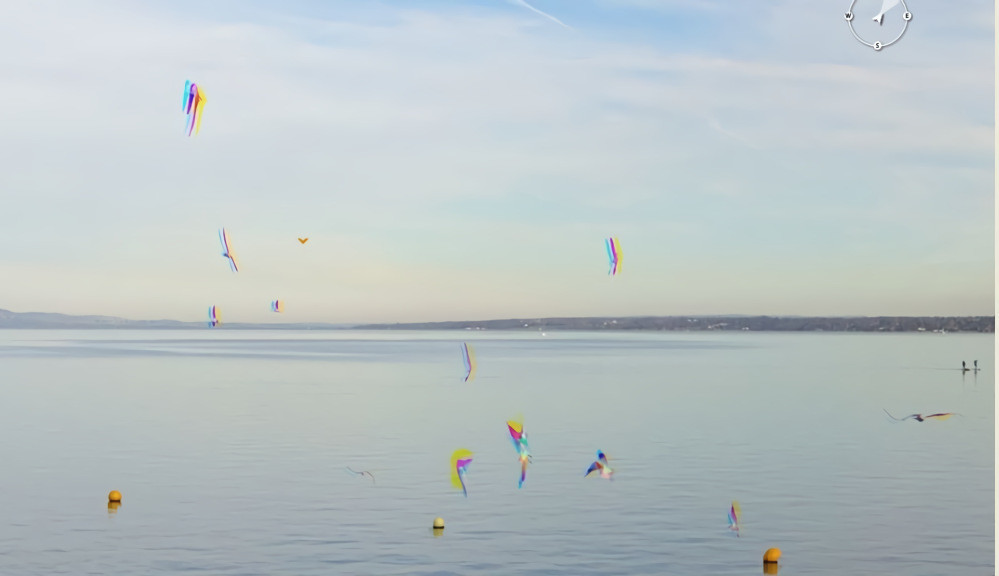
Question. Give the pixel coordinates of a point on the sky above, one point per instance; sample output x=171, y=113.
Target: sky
x=462, y=160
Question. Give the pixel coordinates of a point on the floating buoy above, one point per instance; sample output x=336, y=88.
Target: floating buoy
x=438, y=528
x=114, y=496
x=770, y=558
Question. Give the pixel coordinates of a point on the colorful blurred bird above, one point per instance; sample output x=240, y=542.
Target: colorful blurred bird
x=601, y=465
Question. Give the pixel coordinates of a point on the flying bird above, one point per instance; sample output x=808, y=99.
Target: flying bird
x=213, y=317
x=536, y=11
x=460, y=460
x=601, y=465
x=519, y=438
x=921, y=417
x=227, y=252
x=613, y=246
x=733, y=517
x=468, y=357
x=886, y=5
x=363, y=473
x=193, y=107
x=303, y=240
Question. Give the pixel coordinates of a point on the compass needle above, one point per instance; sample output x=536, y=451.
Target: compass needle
x=886, y=5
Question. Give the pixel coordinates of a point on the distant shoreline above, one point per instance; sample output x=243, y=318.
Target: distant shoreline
x=976, y=324
x=939, y=324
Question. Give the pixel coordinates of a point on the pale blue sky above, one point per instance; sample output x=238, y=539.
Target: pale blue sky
x=460, y=160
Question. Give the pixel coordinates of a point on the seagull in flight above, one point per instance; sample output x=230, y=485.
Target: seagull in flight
x=227, y=252
x=601, y=465
x=921, y=417
x=363, y=473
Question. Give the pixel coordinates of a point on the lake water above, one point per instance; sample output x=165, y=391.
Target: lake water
x=230, y=449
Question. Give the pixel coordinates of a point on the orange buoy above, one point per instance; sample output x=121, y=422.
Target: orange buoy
x=772, y=555
x=114, y=496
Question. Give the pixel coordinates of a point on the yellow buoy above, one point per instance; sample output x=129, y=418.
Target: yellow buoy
x=770, y=567
x=772, y=555
x=438, y=523
x=114, y=496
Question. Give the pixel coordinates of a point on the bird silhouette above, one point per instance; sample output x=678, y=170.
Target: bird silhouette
x=921, y=417
x=601, y=465
x=227, y=250
x=363, y=473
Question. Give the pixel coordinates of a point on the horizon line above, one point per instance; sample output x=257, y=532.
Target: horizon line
x=535, y=318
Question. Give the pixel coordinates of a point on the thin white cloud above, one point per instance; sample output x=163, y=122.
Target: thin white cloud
x=728, y=133
x=535, y=10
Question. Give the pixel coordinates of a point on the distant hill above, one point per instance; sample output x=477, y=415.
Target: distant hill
x=703, y=323
x=42, y=320
x=10, y=319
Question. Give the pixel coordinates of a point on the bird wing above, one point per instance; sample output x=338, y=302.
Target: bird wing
x=516, y=428
x=941, y=415
x=192, y=108
x=192, y=90
x=467, y=360
x=460, y=460
x=611, y=258
x=233, y=261
x=199, y=109
x=616, y=245
x=899, y=419
x=594, y=466
x=471, y=363
x=516, y=433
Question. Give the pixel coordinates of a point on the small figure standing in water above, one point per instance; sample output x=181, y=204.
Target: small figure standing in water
x=964, y=366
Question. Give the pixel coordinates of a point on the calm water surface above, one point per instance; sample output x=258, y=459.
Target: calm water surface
x=230, y=450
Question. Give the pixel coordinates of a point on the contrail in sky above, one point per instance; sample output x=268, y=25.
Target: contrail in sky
x=533, y=9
